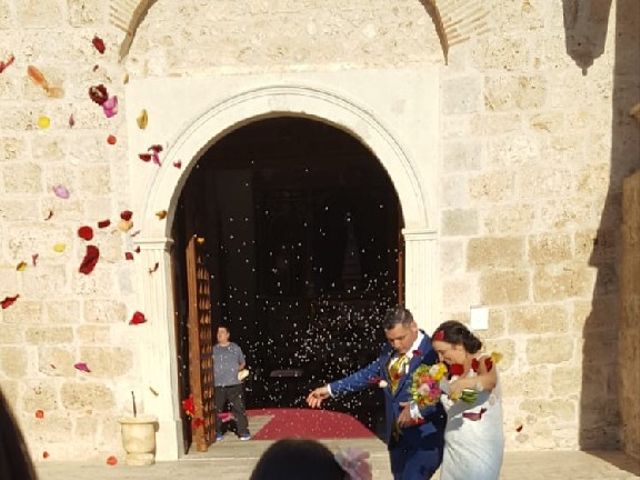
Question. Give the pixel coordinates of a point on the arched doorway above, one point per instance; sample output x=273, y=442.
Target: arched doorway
x=298, y=228
x=192, y=129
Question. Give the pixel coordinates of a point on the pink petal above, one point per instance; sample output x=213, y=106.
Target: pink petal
x=61, y=192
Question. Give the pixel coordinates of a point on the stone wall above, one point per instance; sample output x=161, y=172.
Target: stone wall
x=532, y=160
x=630, y=317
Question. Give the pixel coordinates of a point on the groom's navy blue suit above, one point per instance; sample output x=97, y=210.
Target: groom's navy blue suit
x=417, y=452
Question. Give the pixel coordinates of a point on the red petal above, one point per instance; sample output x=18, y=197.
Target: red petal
x=475, y=364
x=8, y=301
x=112, y=140
x=4, y=65
x=137, y=319
x=34, y=259
x=177, y=164
x=197, y=422
x=137, y=250
x=39, y=414
x=86, y=233
x=456, y=369
x=155, y=148
x=98, y=93
x=83, y=367
x=126, y=214
x=519, y=428
x=90, y=260
x=488, y=363
x=72, y=121
x=45, y=454
x=104, y=223
x=98, y=43
x=128, y=256
x=112, y=460
x=145, y=157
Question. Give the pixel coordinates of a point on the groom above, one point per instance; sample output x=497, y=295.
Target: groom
x=414, y=437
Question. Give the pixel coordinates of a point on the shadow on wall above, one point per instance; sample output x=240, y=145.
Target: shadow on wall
x=585, y=25
x=586, y=28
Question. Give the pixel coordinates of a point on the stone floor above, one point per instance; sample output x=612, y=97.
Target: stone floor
x=234, y=460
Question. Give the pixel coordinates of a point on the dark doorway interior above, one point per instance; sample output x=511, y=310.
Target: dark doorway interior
x=301, y=226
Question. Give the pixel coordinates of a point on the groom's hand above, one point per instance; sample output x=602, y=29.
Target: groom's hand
x=315, y=398
x=404, y=419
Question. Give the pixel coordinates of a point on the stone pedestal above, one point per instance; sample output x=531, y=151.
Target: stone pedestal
x=139, y=439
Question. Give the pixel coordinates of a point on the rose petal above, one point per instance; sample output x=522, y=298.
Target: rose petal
x=112, y=460
x=44, y=121
x=85, y=232
x=72, y=121
x=8, y=301
x=98, y=43
x=162, y=214
x=137, y=318
x=145, y=157
x=177, y=164
x=126, y=214
x=143, y=119
x=110, y=106
x=128, y=256
x=39, y=414
x=45, y=454
x=90, y=260
x=83, y=367
x=4, y=65
x=112, y=140
x=37, y=77
x=34, y=259
x=98, y=94
x=21, y=267
x=104, y=223
x=61, y=192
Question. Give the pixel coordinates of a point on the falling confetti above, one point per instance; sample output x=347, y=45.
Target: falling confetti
x=142, y=119
x=519, y=428
x=155, y=268
x=128, y=256
x=126, y=214
x=45, y=454
x=8, y=301
x=98, y=43
x=98, y=94
x=177, y=164
x=34, y=259
x=112, y=140
x=59, y=247
x=61, y=192
x=39, y=414
x=49, y=215
x=104, y=223
x=5, y=64
x=44, y=122
x=72, y=121
x=162, y=214
x=154, y=391
x=110, y=106
x=85, y=233
x=39, y=79
x=112, y=460
x=137, y=318
x=82, y=366
x=90, y=260
x=21, y=267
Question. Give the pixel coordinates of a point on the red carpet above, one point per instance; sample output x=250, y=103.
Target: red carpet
x=308, y=423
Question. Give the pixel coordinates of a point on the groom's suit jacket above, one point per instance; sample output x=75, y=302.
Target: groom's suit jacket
x=428, y=435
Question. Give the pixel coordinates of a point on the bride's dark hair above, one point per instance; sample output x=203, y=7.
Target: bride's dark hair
x=457, y=333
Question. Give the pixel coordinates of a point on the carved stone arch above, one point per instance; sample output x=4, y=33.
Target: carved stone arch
x=455, y=21
x=189, y=142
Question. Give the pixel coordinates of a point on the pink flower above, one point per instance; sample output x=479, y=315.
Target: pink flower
x=354, y=462
x=110, y=106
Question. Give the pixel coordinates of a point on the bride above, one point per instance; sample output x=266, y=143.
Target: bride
x=474, y=440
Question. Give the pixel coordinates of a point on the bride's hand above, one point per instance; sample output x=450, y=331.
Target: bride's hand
x=455, y=390
x=315, y=398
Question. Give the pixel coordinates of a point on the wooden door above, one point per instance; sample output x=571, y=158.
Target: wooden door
x=200, y=345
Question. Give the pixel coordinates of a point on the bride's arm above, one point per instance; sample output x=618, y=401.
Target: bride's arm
x=485, y=380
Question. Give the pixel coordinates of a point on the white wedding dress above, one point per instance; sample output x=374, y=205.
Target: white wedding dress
x=473, y=439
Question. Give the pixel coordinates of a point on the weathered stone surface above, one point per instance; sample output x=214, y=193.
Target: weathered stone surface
x=509, y=219
x=451, y=256
x=510, y=151
x=86, y=12
x=13, y=361
x=22, y=178
x=51, y=335
x=461, y=156
x=596, y=246
x=550, y=248
x=538, y=319
x=454, y=191
x=561, y=410
x=32, y=13
x=495, y=252
x=63, y=311
x=504, y=287
x=505, y=93
x=562, y=281
x=12, y=148
x=461, y=95
x=506, y=347
x=56, y=362
x=40, y=396
x=23, y=312
x=86, y=396
x=556, y=349
x=492, y=187
x=460, y=291
x=50, y=429
x=104, y=311
x=93, y=334
x=459, y=222
x=527, y=383
x=565, y=380
x=45, y=280
x=107, y=362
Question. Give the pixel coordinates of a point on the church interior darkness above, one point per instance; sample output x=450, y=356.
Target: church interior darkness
x=301, y=225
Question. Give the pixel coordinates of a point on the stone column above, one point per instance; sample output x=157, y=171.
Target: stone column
x=421, y=283
x=158, y=356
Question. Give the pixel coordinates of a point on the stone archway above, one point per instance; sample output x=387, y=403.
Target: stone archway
x=162, y=192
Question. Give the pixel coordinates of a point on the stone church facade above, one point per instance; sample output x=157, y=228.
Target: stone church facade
x=508, y=152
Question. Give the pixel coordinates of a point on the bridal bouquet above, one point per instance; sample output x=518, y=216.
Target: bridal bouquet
x=425, y=384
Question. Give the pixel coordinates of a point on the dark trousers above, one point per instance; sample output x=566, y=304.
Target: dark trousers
x=232, y=394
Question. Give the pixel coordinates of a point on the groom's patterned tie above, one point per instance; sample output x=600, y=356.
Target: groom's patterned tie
x=397, y=370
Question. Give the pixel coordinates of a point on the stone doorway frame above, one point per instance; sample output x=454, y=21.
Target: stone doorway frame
x=158, y=353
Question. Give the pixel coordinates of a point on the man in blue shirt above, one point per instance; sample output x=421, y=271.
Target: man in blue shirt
x=228, y=360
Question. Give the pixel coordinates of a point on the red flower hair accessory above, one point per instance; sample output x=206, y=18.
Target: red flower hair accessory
x=438, y=336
